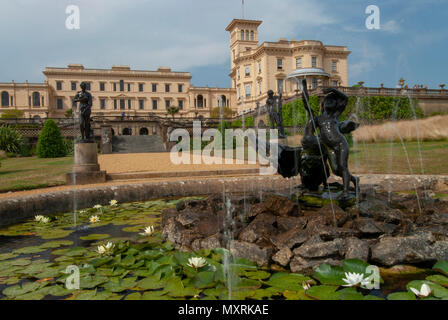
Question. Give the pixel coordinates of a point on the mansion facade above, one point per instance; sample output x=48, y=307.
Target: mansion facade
x=118, y=91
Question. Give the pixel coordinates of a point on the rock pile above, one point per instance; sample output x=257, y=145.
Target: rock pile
x=383, y=230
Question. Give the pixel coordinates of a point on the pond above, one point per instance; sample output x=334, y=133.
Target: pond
x=38, y=256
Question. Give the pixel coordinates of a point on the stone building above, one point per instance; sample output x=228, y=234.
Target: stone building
x=257, y=68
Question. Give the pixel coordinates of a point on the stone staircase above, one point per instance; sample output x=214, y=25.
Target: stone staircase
x=137, y=144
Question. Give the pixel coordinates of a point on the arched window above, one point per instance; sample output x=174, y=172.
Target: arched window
x=36, y=99
x=144, y=132
x=223, y=101
x=252, y=36
x=127, y=132
x=5, y=99
x=242, y=34
x=200, y=101
x=247, y=34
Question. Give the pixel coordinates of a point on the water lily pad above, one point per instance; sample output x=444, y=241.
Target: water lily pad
x=355, y=266
x=76, y=252
x=439, y=279
x=323, y=293
x=6, y=256
x=150, y=283
x=9, y=281
x=56, y=244
x=268, y=293
x=55, y=234
x=441, y=266
x=91, y=282
x=120, y=285
x=26, y=287
x=95, y=237
x=329, y=275
x=257, y=275
x=204, y=280
x=401, y=296
x=29, y=250
x=133, y=296
x=288, y=281
x=20, y=262
x=350, y=294
x=155, y=295
x=296, y=295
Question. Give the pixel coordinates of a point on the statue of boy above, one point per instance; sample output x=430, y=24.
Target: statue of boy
x=274, y=106
x=85, y=108
x=332, y=133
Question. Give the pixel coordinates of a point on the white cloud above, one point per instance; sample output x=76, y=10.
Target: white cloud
x=367, y=57
x=391, y=26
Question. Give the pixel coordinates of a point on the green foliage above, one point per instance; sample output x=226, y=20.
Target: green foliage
x=51, y=143
x=12, y=114
x=69, y=113
x=216, y=112
x=248, y=122
x=11, y=140
x=294, y=113
x=69, y=146
x=367, y=108
x=172, y=110
x=383, y=108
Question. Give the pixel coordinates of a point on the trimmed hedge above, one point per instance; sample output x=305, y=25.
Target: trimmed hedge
x=366, y=108
x=51, y=143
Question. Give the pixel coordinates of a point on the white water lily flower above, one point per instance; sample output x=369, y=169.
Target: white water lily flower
x=94, y=219
x=424, y=291
x=38, y=218
x=98, y=206
x=113, y=203
x=82, y=212
x=106, y=249
x=149, y=231
x=197, y=262
x=45, y=220
x=354, y=279
x=305, y=285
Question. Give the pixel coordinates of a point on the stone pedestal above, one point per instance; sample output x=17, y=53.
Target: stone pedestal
x=106, y=139
x=86, y=169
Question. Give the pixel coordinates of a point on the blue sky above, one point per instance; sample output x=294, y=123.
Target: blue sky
x=189, y=35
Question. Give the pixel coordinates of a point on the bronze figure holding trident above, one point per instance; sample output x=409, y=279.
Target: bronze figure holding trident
x=332, y=132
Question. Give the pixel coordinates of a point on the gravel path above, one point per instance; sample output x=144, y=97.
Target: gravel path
x=157, y=162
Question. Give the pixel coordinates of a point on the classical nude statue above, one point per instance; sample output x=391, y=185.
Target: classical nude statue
x=85, y=108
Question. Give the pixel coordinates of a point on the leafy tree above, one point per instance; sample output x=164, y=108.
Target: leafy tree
x=12, y=114
x=172, y=111
x=51, y=143
x=69, y=113
x=216, y=112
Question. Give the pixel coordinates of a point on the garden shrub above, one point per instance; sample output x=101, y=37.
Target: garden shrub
x=366, y=108
x=51, y=143
x=11, y=141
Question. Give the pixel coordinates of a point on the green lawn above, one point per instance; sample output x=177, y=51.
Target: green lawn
x=32, y=173
x=390, y=158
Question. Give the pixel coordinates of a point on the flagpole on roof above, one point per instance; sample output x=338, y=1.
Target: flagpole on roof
x=242, y=8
